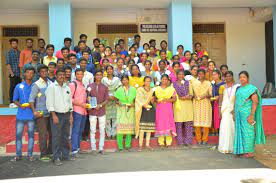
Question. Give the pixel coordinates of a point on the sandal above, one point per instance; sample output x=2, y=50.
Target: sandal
x=16, y=158
x=31, y=158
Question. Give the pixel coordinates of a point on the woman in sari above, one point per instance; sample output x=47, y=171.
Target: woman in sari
x=165, y=124
x=180, y=49
x=125, y=96
x=199, y=51
x=145, y=113
x=120, y=70
x=133, y=54
x=209, y=72
x=184, y=117
x=135, y=80
x=148, y=72
x=152, y=54
x=203, y=64
x=248, y=118
x=216, y=84
x=112, y=84
x=176, y=67
x=202, y=107
x=223, y=70
x=227, y=125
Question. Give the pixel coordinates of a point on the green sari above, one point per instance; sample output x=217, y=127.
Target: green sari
x=246, y=135
x=125, y=115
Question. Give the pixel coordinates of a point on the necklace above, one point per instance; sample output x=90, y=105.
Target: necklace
x=229, y=94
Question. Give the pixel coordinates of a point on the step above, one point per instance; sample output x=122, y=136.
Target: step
x=109, y=144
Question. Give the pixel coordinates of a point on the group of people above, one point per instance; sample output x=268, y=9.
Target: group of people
x=142, y=92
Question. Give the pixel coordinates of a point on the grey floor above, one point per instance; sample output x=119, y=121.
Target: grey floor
x=169, y=159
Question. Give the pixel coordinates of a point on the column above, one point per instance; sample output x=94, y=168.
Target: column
x=274, y=39
x=60, y=22
x=180, y=25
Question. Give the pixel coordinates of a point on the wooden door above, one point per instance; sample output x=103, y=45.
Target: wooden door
x=5, y=74
x=215, y=44
x=112, y=39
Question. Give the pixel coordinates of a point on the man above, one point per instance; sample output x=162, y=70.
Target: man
x=100, y=91
x=90, y=67
x=42, y=117
x=41, y=48
x=65, y=51
x=60, y=63
x=152, y=43
x=83, y=37
x=51, y=71
x=26, y=54
x=96, y=43
x=88, y=77
x=79, y=115
x=12, y=61
x=82, y=48
x=67, y=43
x=68, y=74
x=124, y=52
x=137, y=39
x=24, y=114
x=59, y=104
x=49, y=55
x=35, y=62
x=73, y=62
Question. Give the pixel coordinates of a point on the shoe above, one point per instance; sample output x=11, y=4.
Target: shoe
x=16, y=158
x=73, y=157
x=94, y=152
x=45, y=159
x=102, y=152
x=31, y=158
x=57, y=162
x=12, y=105
x=120, y=150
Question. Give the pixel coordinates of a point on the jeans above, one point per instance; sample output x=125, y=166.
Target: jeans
x=13, y=82
x=60, y=134
x=19, y=132
x=93, y=123
x=77, y=129
x=44, y=129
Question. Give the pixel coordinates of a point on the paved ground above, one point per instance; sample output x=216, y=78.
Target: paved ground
x=169, y=159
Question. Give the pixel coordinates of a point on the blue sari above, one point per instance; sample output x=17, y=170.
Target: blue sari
x=246, y=135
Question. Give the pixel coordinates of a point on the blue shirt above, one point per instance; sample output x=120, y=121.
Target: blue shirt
x=22, y=93
x=12, y=58
x=140, y=49
x=36, y=75
x=124, y=53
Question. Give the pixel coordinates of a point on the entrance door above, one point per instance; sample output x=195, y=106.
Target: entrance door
x=5, y=73
x=112, y=39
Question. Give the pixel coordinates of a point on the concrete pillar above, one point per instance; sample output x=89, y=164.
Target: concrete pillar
x=274, y=40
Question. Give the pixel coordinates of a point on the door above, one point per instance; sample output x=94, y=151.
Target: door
x=214, y=44
x=112, y=39
x=5, y=75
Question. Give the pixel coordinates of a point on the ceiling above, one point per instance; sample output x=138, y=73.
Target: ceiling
x=43, y=4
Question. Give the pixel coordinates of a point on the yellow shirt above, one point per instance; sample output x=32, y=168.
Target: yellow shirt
x=136, y=82
x=47, y=60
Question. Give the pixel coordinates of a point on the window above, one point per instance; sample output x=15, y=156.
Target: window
x=20, y=31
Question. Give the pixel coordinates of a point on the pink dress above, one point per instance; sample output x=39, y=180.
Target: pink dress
x=173, y=77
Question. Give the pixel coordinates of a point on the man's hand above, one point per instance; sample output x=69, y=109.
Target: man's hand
x=55, y=119
x=71, y=119
x=37, y=115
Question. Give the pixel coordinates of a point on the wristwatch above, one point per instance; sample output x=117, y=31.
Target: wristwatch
x=100, y=105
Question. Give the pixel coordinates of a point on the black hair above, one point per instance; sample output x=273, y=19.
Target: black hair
x=35, y=51
x=135, y=65
x=52, y=63
x=245, y=73
x=201, y=70
x=175, y=63
x=165, y=76
x=152, y=47
x=161, y=51
x=41, y=39
x=145, y=44
x=162, y=61
x=180, y=71
x=29, y=69
x=224, y=65
x=120, y=58
x=131, y=47
x=174, y=57
x=124, y=77
x=60, y=70
x=108, y=67
x=97, y=71
x=152, y=40
x=136, y=36
x=60, y=59
x=187, y=52
x=131, y=60
x=78, y=70
x=192, y=60
x=180, y=46
x=41, y=66
x=212, y=62
x=117, y=46
x=29, y=39
x=102, y=44
x=187, y=72
x=13, y=40
x=67, y=67
x=105, y=59
x=96, y=39
x=72, y=55
x=144, y=53
x=108, y=47
x=147, y=61
x=147, y=77
x=81, y=41
x=65, y=48
x=67, y=39
x=50, y=46
x=121, y=40
x=113, y=52
x=194, y=67
x=83, y=59
x=83, y=35
x=205, y=56
x=197, y=43
x=163, y=41
x=85, y=51
x=229, y=72
x=218, y=72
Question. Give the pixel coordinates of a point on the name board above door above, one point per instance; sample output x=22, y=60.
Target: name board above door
x=153, y=28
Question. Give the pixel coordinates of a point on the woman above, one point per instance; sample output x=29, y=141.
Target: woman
x=227, y=124
x=152, y=53
x=142, y=60
x=125, y=96
x=216, y=84
x=148, y=72
x=146, y=47
x=192, y=62
x=199, y=51
x=162, y=70
x=112, y=84
x=202, y=108
x=102, y=48
x=120, y=70
x=184, y=117
x=204, y=62
x=176, y=67
x=180, y=49
x=107, y=54
x=211, y=68
x=165, y=125
x=163, y=46
x=133, y=54
x=113, y=59
x=118, y=51
x=223, y=70
x=135, y=80
x=248, y=118
x=145, y=113
x=105, y=63
x=187, y=56
x=157, y=60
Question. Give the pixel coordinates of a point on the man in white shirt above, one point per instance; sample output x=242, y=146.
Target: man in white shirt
x=88, y=77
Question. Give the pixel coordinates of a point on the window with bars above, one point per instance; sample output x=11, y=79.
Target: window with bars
x=208, y=28
x=117, y=28
x=20, y=31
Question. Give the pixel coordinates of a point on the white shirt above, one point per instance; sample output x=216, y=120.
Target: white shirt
x=185, y=66
x=87, y=79
x=158, y=75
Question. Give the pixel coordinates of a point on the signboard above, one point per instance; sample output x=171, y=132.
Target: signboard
x=153, y=28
